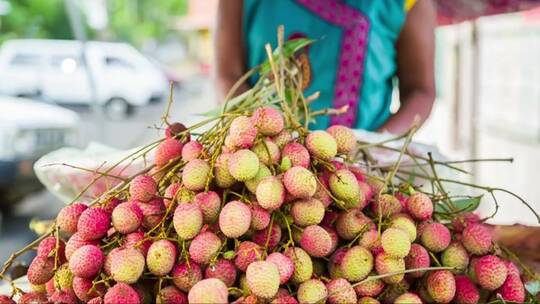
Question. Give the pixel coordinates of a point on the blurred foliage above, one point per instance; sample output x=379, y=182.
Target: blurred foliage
x=129, y=20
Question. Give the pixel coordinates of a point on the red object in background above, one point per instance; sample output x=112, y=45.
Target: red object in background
x=455, y=11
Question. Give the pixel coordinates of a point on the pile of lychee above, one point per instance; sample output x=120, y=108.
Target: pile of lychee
x=275, y=214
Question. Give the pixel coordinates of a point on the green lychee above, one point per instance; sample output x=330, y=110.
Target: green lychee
x=270, y=193
x=195, y=174
x=263, y=279
x=300, y=182
x=307, y=212
x=303, y=266
x=395, y=242
x=243, y=165
x=344, y=186
x=312, y=291
x=321, y=145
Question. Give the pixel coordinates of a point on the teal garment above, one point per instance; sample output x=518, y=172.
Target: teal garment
x=386, y=18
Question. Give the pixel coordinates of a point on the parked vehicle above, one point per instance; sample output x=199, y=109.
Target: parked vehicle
x=54, y=70
x=28, y=130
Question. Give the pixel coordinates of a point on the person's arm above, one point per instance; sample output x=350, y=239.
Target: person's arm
x=415, y=56
x=229, y=47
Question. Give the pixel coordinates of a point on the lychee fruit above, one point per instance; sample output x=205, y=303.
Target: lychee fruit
x=268, y=237
x=405, y=223
x=297, y=154
x=127, y=217
x=466, y=291
x=204, y=247
x=418, y=257
x=153, y=212
x=161, y=257
x=463, y=220
x=93, y=223
x=303, y=266
x=477, y=238
x=389, y=205
x=368, y=300
x=307, y=212
x=321, y=145
x=136, y=240
x=284, y=299
x=371, y=240
x=420, y=206
x=408, y=298
x=223, y=270
x=187, y=221
x=243, y=165
x=96, y=300
x=345, y=138
x=435, y=237
x=222, y=176
x=395, y=242
x=209, y=203
x=455, y=256
x=512, y=289
x=316, y=241
x=142, y=188
x=323, y=193
x=7, y=300
x=192, y=150
x=269, y=121
x=171, y=295
x=171, y=193
x=267, y=152
x=84, y=289
x=63, y=278
x=263, y=172
x=263, y=279
x=247, y=253
x=75, y=242
x=47, y=248
x=312, y=291
x=63, y=297
x=356, y=264
x=175, y=129
x=234, y=219
x=121, y=293
x=127, y=265
x=340, y=291
x=370, y=288
x=385, y=263
x=41, y=270
x=270, y=193
x=260, y=218
x=282, y=138
x=33, y=298
x=352, y=222
x=209, y=291
x=284, y=265
x=167, y=150
x=68, y=217
x=441, y=286
x=195, y=174
x=185, y=275
x=344, y=186
x=242, y=132
x=86, y=261
x=335, y=262
x=300, y=182
x=491, y=272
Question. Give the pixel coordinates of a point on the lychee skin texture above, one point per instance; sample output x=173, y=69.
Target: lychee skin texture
x=268, y=121
x=389, y=205
x=477, y=239
x=75, y=242
x=204, y=247
x=436, y=237
x=86, y=261
x=418, y=257
x=143, y=188
x=83, y=289
x=340, y=291
x=234, y=219
x=184, y=275
x=136, y=240
x=420, y=206
x=307, y=212
x=223, y=270
x=168, y=150
x=267, y=152
x=263, y=279
x=242, y=132
x=96, y=300
x=161, y=257
x=191, y=150
x=303, y=266
x=68, y=217
x=300, y=182
x=368, y=300
x=396, y=242
x=385, y=263
x=187, y=221
x=463, y=220
x=40, y=270
x=260, y=218
x=195, y=174
x=171, y=295
x=312, y=291
x=93, y=223
x=369, y=289
x=247, y=253
x=344, y=186
x=512, y=289
x=316, y=241
x=243, y=165
x=405, y=223
x=455, y=256
x=352, y=222
x=284, y=265
x=272, y=238
x=282, y=138
x=344, y=136
x=209, y=291
x=408, y=298
x=127, y=217
x=63, y=278
x=222, y=176
x=270, y=193
x=209, y=203
x=127, y=265
x=63, y=296
x=321, y=145
x=253, y=183
x=441, y=286
x=121, y=293
x=48, y=245
x=356, y=264
x=297, y=154
x=466, y=291
x=491, y=272
x=153, y=212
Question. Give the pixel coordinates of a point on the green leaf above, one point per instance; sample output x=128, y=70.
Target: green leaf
x=533, y=287
x=289, y=48
x=462, y=205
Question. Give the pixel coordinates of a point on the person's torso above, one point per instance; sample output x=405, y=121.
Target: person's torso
x=354, y=59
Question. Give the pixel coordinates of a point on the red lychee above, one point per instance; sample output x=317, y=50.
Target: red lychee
x=168, y=150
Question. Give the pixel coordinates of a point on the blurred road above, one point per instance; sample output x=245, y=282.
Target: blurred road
x=194, y=97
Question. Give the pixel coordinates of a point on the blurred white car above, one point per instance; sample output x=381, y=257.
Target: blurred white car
x=53, y=70
x=28, y=130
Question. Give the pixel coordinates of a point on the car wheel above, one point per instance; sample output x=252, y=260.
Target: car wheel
x=118, y=109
